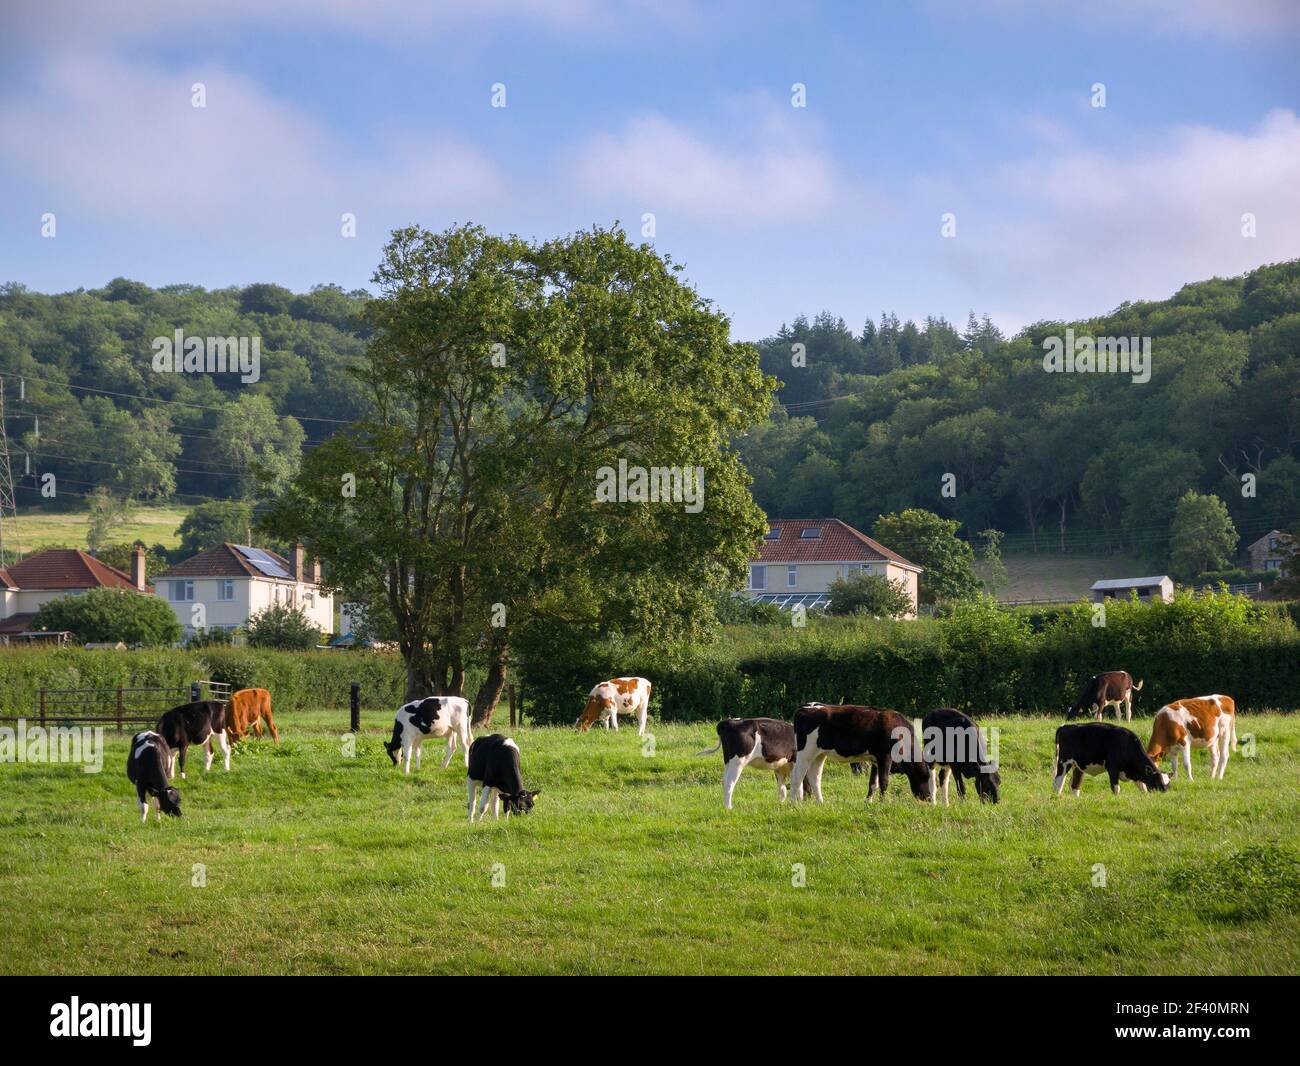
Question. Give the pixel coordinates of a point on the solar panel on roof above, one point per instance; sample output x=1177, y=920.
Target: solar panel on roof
x=262, y=561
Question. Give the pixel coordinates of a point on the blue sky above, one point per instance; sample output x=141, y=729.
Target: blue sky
x=980, y=108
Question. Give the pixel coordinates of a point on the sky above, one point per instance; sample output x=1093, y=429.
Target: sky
x=975, y=118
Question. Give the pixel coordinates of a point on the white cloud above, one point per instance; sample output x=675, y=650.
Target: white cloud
x=1077, y=231
x=124, y=142
x=765, y=168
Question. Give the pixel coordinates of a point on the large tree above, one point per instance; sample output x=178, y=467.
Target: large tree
x=1201, y=536
x=502, y=378
x=931, y=542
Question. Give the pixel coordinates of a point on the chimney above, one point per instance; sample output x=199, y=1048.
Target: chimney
x=137, y=569
x=313, y=574
x=296, y=569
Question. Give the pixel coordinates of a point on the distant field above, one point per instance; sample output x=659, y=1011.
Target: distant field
x=304, y=860
x=153, y=525
x=1034, y=577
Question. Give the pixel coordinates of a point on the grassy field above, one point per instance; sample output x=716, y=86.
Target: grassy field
x=43, y=529
x=320, y=863
x=1046, y=576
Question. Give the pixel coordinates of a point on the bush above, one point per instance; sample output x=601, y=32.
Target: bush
x=878, y=597
x=105, y=616
x=284, y=628
x=737, y=610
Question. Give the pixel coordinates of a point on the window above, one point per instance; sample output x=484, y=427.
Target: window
x=791, y=576
x=182, y=591
x=772, y=534
x=1272, y=564
x=226, y=589
x=757, y=577
x=275, y=593
x=811, y=533
x=1273, y=543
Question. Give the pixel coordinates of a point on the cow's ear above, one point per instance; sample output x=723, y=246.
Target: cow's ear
x=536, y=793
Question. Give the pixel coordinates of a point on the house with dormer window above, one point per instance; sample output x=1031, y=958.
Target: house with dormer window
x=799, y=558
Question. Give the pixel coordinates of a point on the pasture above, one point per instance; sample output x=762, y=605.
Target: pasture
x=39, y=528
x=316, y=862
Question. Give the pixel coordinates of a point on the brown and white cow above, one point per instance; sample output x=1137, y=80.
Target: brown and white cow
x=1202, y=722
x=247, y=709
x=1101, y=691
x=609, y=699
x=882, y=738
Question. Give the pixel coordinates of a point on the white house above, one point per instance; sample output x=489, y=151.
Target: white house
x=222, y=587
x=47, y=575
x=799, y=558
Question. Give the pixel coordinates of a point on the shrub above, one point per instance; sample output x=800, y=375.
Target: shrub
x=282, y=627
x=737, y=610
x=104, y=616
x=879, y=597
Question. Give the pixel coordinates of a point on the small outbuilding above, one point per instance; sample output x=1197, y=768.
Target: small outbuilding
x=1147, y=588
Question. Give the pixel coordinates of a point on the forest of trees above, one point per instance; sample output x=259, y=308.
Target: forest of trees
x=1086, y=462
x=867, y=423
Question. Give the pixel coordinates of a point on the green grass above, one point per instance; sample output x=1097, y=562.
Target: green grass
x=67, y=529
x=318, y=863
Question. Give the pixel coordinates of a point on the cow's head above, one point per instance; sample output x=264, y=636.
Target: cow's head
x=987, y=785
x=520, y=802
x=169, y=801
x=598, y=706
x=1077, y=710
x=1151, y=776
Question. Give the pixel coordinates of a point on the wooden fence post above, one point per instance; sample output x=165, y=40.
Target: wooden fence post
x=195, y=692
x=42, y=708
x=356, y=707
x=119, y=708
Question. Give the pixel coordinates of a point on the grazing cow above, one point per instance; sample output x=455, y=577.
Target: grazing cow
x=1203, y=722
x=436, y=716
x=767, y=742
x=195, y=723
x=609, y=699
x=1100, y=691
x=1091, y=747
x=954, y=746
x=850, y=733
x=247, y=709
x=494, y=767
x=148, y=767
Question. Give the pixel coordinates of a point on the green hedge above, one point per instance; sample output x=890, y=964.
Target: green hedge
x=296, y=680
x=979, y=658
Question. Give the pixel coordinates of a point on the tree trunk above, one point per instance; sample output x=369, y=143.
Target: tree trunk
x=419, y=672
x=489, y=693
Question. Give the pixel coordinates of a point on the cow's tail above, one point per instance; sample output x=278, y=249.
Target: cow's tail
x=1056, y=767
x=393, y=745
x=710, y=751
x=1232, y=725
x=1137, y=685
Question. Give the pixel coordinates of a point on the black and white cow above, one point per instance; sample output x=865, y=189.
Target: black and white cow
x=195, y=723
x=494, y=767
x=1094, y=747
x=850, y=733
x=148, y=768
x=765, y=742
x=435, y=716
x=953, y=746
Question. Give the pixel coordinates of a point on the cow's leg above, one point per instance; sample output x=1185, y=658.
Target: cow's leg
x=1113, y=773
x=1224, y=745
x=185, y=747
x=782, y=783
x=270, y=724
x=451, y=749
x=1187, y=757
x=484, y=800
x=613, y=719
x=225, y=749
x=496, y=805
x=419, y=751
x=144, y=802
x=961, y=784
x=471, y=788
x=802, y=764
x=815, y=775
x=730, y=775
x=642, y=711
x=945, y=775
x=1076, y=781
x=465, y=741
x=208, y=753
x=881, y=772
x=1058, y=782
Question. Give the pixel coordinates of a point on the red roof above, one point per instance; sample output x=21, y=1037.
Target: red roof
x=225, y=560
x=838, y=543
x=67, y=568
